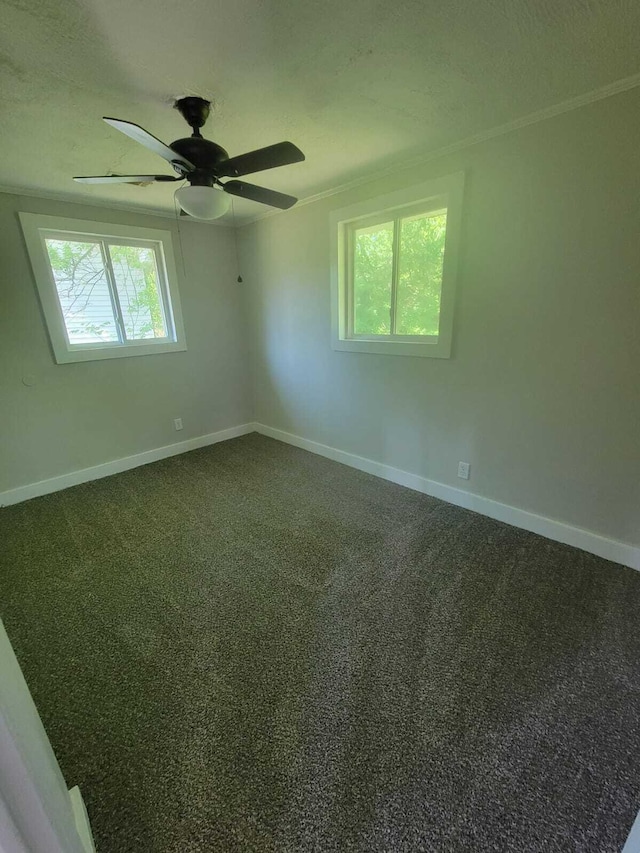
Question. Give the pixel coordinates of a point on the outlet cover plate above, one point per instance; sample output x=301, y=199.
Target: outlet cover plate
x=464, y=470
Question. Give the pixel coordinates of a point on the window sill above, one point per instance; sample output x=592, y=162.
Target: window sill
x=435, y=348
x=99, y=353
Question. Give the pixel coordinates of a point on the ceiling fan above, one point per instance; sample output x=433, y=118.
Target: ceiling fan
x=202, y=163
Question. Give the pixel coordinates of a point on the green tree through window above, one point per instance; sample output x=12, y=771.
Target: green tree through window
x=397, y=276
x=136, y=278
x=92, y=305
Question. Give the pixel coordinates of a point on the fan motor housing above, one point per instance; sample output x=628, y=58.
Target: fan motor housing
x=205, y=156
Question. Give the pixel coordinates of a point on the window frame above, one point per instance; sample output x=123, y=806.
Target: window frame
x=438, y=195
x=37, y=228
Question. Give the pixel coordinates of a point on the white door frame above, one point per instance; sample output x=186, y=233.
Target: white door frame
x=37, y=812
x=633, y=841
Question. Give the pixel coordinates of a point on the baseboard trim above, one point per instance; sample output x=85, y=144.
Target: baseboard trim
x=609, y=549
x=96, y=472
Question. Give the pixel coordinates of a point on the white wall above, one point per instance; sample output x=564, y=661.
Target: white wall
x=542, y=393
x=84, y=414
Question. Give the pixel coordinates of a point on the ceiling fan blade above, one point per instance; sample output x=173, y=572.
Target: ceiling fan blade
x=125, y=179
x=261, y=194
x=139, y=134
x=280, y=154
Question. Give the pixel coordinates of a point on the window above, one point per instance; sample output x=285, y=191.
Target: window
x=393, y=271
x=107, y=291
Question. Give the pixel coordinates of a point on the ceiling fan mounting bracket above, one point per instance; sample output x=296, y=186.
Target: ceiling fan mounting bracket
x=195, y=111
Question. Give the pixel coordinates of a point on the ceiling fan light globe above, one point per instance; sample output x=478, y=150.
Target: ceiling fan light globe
x=203, y=202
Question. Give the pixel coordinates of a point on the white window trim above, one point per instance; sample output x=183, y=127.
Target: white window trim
x=430, y=196
x=36, y=226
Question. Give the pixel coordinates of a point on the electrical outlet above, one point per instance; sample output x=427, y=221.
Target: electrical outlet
x=177, y=422
x=464, y=469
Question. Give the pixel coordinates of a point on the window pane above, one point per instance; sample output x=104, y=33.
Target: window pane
x=372, y=273
x=420, y=274
x=83, y=291
x=136, y=276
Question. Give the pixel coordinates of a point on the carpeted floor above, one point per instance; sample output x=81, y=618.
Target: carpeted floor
x=251, y=648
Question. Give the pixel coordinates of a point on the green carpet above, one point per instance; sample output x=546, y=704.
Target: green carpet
x=251, y=648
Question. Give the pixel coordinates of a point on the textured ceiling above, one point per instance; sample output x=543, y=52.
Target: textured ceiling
x=356, y=84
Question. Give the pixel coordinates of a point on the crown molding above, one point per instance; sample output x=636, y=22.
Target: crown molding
x=599, y=94
x=615, y=88
x=70, y=198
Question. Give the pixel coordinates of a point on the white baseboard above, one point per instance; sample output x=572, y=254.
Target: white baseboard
x=610, y=549
x=74, y=478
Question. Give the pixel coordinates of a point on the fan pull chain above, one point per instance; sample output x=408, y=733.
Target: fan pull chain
x=176, y=208
x=235, y=240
